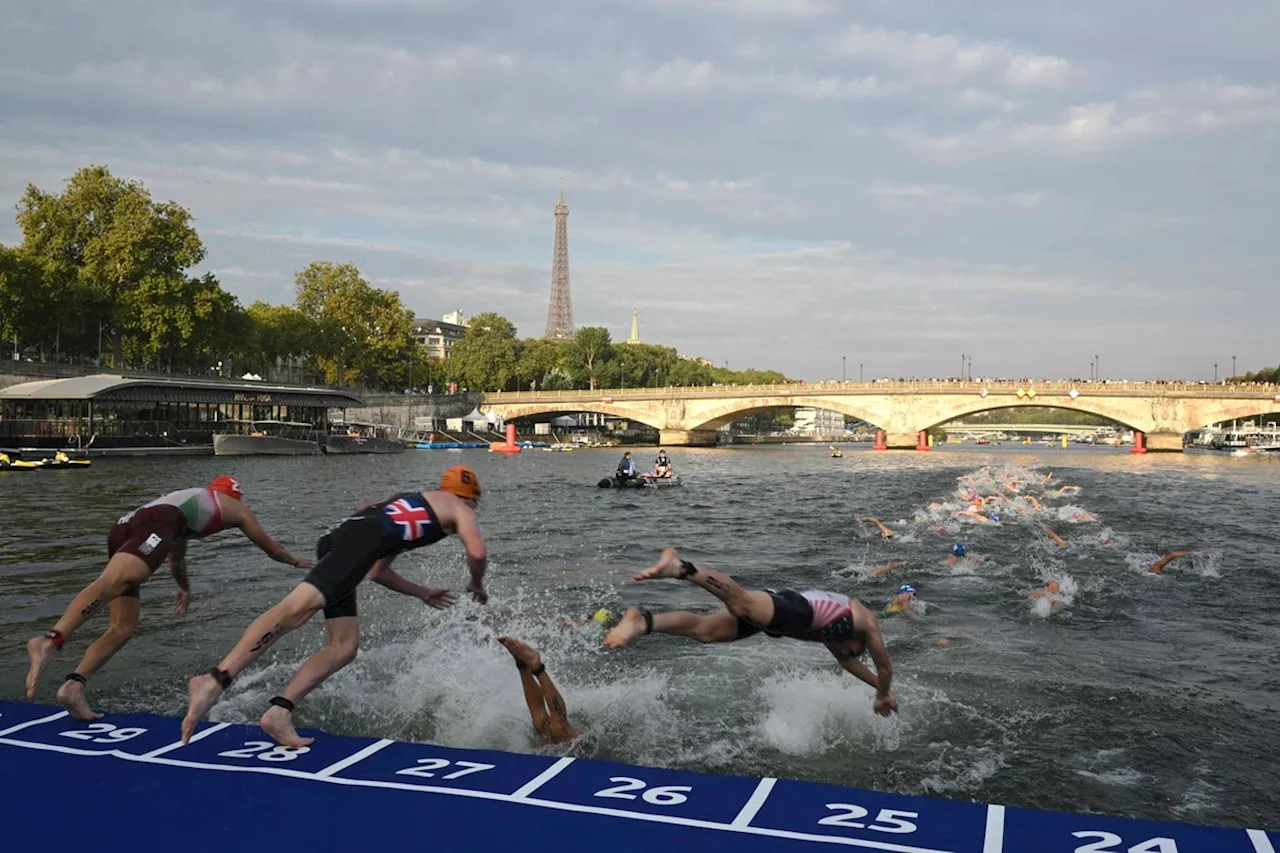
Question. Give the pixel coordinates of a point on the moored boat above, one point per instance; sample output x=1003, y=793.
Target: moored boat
x=364, y=438
x=267, y=438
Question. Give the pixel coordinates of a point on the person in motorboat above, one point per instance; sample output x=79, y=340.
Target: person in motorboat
x=626, y=468
x=662, y=466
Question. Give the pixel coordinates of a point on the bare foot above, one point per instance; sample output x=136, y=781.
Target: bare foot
x=202, y=691
x=71, y=697
x=630, y=626
x=39, y=649
x=278, y=723
x=522, y=652
x=668, y=566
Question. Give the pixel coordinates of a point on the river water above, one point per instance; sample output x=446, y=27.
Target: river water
x=1144, y=696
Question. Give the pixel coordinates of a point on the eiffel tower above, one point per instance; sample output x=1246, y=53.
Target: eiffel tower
x=560, y=308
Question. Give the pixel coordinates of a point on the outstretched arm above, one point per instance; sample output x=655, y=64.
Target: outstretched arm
x=849, y=663
x=477, y=554
x=178, y=565
x=382, y=573
x=879, y=570
x=1158, y=566
x=248, y=523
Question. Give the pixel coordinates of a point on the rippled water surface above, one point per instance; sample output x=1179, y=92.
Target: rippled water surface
x=1149, y=696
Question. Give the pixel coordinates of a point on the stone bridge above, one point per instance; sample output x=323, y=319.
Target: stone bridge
x=1159, y=413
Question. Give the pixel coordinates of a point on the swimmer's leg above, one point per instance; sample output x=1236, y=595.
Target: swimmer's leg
x=527, y=661
x=124, y=622
x=753, y=605
x=719, y=627
x=123, y=572
x=344, y=643
x=292, y=612
x=560, y=728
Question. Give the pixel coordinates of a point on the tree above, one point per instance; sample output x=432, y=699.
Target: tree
x=106, y=236
x=687, y=373
x=591, y=348
x=278, y=335
x=487, y=357
x=24, y=315
x=539, y=359
x=358, y=329
x=388, y=345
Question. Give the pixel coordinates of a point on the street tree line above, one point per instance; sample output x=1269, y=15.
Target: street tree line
x=104, y=276
x=492, y=357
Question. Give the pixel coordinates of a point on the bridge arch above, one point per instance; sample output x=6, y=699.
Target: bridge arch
x=516, y=412
x=714, y=416
x=996, y=405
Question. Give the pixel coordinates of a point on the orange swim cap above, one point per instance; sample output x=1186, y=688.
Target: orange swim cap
x=462, y=481
x=1052, y=586
x=229, y=486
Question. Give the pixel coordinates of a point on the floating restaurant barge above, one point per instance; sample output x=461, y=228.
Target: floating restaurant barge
x=107, y=414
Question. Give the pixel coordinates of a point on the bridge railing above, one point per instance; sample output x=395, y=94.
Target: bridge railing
x=1053, y=387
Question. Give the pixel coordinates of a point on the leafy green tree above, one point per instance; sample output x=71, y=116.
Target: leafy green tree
x=686, y=373
x=357, y=328
x=106, y=236
x=279, y=335
x=487, y=357
x=591, y=349
x=24, y=315
x=539, y=359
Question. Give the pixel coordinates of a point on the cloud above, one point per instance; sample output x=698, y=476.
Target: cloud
x=773, y=182
x=950, y=58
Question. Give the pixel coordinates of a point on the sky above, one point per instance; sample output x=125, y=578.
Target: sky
x=816, y=186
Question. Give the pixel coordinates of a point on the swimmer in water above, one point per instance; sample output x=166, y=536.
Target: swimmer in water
x=1157, y=568
x=592, y=629
x=843, y=625
x=885, y=532
x=958, y=553
x=547, y=710
x=903, y=602
x=879, y=570
x=1062, y=543
x=1049, y=592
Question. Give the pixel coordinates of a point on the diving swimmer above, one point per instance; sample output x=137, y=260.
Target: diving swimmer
x=137, y=545
x=546, y=706
x=843, y=625
x=361, y=546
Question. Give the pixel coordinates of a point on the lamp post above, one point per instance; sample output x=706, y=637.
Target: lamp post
x=970, y=368
x=1097, y=367
x=843, y=377
x=1215, y=371
x=859, y=371
x=1233, y=367
x=962, y=358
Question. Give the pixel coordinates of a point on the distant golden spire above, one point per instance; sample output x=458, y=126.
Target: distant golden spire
x=635, y=327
